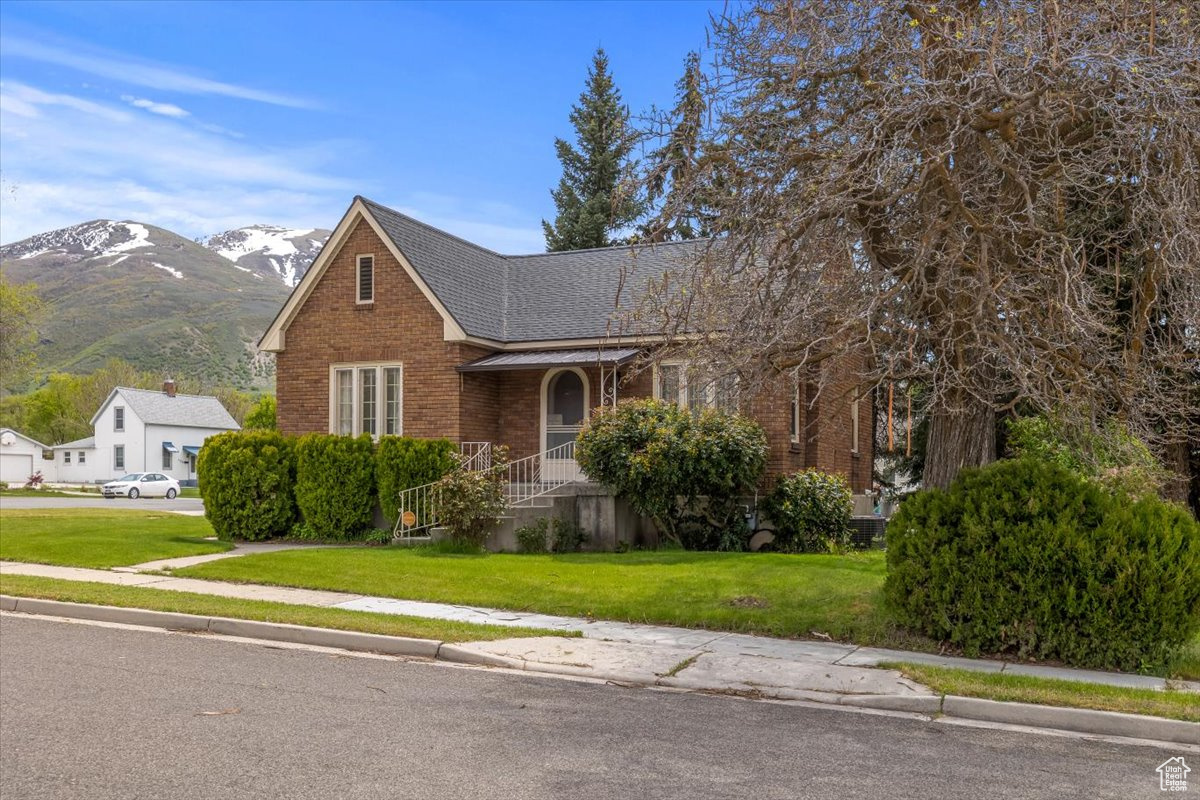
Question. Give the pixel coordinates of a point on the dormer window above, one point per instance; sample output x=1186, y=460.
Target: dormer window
x=366, y=279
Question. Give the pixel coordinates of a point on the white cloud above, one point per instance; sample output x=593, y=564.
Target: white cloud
x=67, y=159
x=140, y=73
x=165, y=109
x=23, y=100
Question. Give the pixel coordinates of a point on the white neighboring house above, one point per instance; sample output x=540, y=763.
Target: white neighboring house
x=21, y=456
x=144, y=431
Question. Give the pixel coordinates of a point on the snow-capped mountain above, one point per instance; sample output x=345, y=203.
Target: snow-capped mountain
x=147, y=295
x=98, y=238
x=269, y=250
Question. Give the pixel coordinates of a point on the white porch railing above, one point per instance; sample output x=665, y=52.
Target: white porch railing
x=525, y=479
x=541, y=473
x=476, y=456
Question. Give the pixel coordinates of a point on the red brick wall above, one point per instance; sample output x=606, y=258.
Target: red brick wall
x=401, y=326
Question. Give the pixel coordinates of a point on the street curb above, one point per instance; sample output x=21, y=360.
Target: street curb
x=225, y=626
x=1078, y=720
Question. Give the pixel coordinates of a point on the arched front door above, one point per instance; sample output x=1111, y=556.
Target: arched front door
x=565, y=408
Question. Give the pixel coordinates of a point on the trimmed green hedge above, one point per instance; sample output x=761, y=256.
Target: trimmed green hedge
x=335, y=484
x=404, y=462
x=246, y=480
x=1027, y=557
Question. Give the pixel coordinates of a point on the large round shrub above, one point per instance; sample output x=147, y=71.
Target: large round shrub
x=1026, y=557
x=335, y=484
x=246, y=480
x=402, y=462
x=684, y=470
x=810, y=511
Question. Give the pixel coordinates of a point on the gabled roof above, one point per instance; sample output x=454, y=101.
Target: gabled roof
x=20, y=435
x=503, y=299
x=185, y=410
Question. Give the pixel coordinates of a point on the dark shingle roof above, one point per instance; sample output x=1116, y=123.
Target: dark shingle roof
x=571, y=295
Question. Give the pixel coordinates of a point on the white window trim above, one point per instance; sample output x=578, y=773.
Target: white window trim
x=118, y=428
x=356, y=399
x=854, y=425
x=66, y=456
x=358, y=279
x=796, y=408
x=119, y=449
x=82, y=458
x=710, y=393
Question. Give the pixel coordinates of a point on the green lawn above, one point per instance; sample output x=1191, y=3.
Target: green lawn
x=101, y=538
x=1050, y=692
x=207, y=605
x=773, y=594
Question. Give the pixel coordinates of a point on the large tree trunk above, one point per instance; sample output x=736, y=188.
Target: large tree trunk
x=1177, y=459
x=965, y=437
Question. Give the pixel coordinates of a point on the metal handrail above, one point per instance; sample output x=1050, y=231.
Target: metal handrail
x=526, y=479
x=540, y=473
x=477, y=456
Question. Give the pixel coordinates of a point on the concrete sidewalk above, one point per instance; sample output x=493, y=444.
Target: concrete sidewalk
x=677, y=644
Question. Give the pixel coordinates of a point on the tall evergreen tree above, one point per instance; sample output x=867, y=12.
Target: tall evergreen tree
x=676, y=162
x=591, y=201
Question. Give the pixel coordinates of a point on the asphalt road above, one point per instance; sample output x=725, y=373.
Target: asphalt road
x=142, y=503
x=90, y=712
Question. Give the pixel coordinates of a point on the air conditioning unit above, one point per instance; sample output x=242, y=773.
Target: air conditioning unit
x=867, y=532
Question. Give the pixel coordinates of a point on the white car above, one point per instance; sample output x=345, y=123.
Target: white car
x=142, y=484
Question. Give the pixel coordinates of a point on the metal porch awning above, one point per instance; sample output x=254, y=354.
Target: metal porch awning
x=191, y=450
x=547, y=359
x=170, y=448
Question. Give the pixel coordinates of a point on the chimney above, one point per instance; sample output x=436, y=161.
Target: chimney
x=169, y=387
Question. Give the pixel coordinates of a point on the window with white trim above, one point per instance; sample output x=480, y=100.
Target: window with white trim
x=797, y=405
x=166, y=458
x=365, y=271
x=119, y=457
x=677, y=382
x=118, y=418
x=82, y=457
x=366, y=398
x=854, y=425
x=66, y=456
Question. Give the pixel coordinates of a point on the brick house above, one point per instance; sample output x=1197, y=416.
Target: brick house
x=400, y=328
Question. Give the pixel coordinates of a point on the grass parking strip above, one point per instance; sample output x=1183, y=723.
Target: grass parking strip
x=102, y=538
x=1171, y=704
x=105, y=594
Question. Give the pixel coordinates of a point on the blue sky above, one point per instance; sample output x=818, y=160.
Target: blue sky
x=200, y=117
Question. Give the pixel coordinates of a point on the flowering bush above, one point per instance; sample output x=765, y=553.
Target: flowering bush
x=470, y=502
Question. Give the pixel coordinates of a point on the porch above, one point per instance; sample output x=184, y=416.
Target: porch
x=538, y=401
